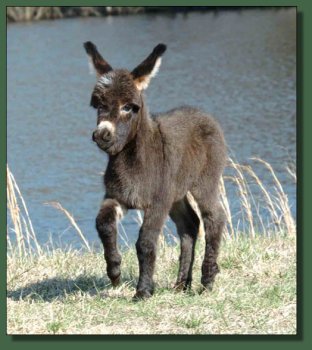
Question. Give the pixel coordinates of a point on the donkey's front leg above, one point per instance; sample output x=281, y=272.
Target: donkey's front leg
x=146, y=247
x=106, y=225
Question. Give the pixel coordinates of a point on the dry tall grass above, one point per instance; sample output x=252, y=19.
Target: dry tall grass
x=26, y=240
x=274, y=202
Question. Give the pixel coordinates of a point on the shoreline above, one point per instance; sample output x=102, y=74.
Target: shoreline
x=17, y=14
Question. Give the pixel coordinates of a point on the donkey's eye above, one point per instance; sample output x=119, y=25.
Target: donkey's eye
x=127, y=108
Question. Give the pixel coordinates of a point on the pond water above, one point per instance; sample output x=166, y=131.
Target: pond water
x=239, y=66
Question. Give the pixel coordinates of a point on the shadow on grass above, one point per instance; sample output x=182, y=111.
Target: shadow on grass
x=57, y=288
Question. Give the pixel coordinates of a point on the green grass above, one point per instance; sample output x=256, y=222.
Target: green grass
x=67, y=292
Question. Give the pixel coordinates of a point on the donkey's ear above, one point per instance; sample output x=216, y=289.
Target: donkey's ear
x=143, y=73
x=100, y=65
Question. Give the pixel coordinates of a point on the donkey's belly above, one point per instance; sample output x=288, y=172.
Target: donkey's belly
x=130, y=196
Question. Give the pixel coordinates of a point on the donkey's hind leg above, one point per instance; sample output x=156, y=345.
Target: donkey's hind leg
x=214, y=219
x=187, y=223
x=106, y=225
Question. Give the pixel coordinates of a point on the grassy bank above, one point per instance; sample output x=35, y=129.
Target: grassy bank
x=53, y=291
x=68, y=293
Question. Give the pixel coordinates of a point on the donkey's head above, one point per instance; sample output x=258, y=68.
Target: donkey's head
x=117, y=98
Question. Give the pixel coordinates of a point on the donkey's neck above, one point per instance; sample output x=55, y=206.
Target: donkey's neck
x=146, y=125
x=139, y=148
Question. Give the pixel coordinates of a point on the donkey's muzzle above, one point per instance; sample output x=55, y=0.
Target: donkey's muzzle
x=102, y=135
x=103, y=138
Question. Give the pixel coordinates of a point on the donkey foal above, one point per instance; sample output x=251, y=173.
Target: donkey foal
x=153, y=163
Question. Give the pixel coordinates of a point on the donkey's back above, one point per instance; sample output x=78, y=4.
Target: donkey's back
x=194, y=143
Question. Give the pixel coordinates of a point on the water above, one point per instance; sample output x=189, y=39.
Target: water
x=239, y=66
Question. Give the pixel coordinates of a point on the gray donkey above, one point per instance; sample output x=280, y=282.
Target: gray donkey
x=153, y=163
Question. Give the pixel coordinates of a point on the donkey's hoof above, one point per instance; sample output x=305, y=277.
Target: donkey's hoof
x=141, y=295
x=115, y=281
x=207, y=287
x=179, y=287
x=182, y=286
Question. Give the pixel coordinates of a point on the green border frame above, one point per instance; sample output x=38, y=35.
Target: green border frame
x=304, y=109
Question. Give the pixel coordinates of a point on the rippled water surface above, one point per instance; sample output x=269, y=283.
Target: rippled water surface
x=239, y=66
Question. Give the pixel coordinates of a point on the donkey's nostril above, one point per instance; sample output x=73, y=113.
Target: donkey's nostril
x=102, y=135
x=106, y=135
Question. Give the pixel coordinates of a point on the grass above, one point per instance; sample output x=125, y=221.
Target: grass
x=67, y=292
x=54, y=291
